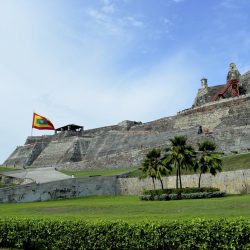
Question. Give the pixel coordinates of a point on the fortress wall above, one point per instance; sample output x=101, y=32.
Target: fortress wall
x=214, y=114
x=118, y=142
x=245, y=81
x=233, y=139
x=217, y=118
x=227, y=121
x=39, y=139
x=115, y=142
x=233, y=182
x=99, y=131
x=124, y=159
x=114, y=158
x=19, y=156
x=70, y=188
x=57, y=151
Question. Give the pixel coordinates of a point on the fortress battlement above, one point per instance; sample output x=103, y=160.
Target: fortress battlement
x=226, y=121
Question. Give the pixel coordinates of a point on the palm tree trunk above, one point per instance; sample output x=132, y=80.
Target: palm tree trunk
x=161, y=183
x=199, y=185
x=153, y=182
x=180, y=177
x=177, y=178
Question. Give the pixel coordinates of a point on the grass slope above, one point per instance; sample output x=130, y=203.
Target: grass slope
x=230, y=163
x=6, y=169
x=131, y=209
x=236, y=162
x=96, y=172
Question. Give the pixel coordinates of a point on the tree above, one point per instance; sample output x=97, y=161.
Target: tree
x=180, y=156
x=209, y=160
x=152, y=166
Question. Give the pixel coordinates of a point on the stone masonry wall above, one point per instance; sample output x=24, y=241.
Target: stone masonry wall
x=63, y=189
x=234, y=182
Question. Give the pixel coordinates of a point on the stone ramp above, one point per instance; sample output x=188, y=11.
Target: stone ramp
x=57, y=151
x=19, y=156
x=37, y=175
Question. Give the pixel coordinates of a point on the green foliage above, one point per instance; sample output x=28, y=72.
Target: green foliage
x=65, y=234
x=181, y=190
x=181, y=196
x=180, y=156
x=208, y=160
x=153, y=167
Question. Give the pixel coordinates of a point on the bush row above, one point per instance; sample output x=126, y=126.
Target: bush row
x=65, y=234
x=167, y=197
x=181, y=190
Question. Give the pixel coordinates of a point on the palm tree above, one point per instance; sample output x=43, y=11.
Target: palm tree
x=152, y=166
x=208, y=160
x=162, y=170
x=180, y=155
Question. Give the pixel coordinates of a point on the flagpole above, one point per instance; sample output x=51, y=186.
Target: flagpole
x=32, y=124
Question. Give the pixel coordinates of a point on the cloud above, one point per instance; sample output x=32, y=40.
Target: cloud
x=119, y=26
x=132, y=21
x=229, y=4
x=178, y=1
x=108, y=6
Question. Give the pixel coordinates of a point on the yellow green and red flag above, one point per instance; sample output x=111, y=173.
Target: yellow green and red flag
x=41, y=122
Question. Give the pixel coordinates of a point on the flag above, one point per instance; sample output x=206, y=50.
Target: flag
x=40, y=122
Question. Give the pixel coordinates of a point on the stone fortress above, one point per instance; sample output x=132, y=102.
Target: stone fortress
x=220, y=113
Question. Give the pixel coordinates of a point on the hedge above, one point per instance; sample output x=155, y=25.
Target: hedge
x=167, y=197
x=77, y=234
x=181, y=190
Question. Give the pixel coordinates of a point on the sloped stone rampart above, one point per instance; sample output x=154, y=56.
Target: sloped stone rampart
x=19, y=156
x=56, y=152
x=227, y=122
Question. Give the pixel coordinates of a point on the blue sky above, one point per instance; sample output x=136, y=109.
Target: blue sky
x=98, y=62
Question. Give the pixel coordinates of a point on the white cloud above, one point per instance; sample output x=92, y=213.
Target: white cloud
x=178, y=1
x=97, y=15
x=230, y=4
x=132, y=21
x=108, y=9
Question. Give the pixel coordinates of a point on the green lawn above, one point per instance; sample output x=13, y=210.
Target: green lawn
x=6, y=169
x=131, y=209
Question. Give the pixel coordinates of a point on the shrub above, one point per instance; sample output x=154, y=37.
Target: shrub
x=76, y=234
x=183, y=190
x=166, y=197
